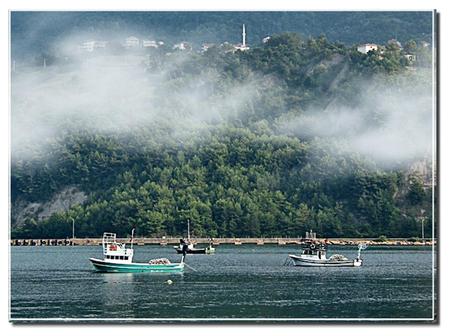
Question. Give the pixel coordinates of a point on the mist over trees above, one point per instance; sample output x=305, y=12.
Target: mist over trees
x=224, y=144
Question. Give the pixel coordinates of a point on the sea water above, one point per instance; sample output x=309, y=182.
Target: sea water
x=244, y=282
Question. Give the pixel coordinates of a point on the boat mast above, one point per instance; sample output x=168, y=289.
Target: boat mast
x=189, y=235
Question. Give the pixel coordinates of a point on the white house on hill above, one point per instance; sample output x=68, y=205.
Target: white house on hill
x=149, y=44
x=182, y=46
x=90, y=46
x=131, y=42
x=365, y=48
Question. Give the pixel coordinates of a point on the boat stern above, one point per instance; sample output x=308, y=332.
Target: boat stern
x=357, y=262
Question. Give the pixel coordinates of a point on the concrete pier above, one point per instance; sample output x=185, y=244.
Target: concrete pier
x=217, y=241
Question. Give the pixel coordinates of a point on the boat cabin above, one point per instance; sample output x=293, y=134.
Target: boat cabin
x=114, y=251
x=314, y=251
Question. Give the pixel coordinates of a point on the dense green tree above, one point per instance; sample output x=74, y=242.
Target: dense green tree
x=416, y=192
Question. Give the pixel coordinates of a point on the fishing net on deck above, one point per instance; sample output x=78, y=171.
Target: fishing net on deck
x=160, y=261
x=338, y=257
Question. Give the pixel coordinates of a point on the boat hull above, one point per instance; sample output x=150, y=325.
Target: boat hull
x=298, y=261
x=109, y=267
x=195, y=251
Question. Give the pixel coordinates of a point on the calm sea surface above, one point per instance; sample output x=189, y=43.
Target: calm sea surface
x=237, y=282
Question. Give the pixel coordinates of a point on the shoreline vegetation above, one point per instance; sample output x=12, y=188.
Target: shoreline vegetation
x=380, y=241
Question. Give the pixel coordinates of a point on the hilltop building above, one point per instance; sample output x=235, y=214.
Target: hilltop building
x=149, y=44
x=410, y=57
x=266, y=39
x=92, y=45
x=182, y=46
x=131, y=42
x=365, y=48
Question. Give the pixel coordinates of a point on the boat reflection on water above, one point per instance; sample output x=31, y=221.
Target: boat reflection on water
x=112, y=279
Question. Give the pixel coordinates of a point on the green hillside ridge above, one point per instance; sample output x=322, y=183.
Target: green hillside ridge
x=249, y=174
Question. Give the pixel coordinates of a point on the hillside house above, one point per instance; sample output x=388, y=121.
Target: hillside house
x=131, y=42
x=149, y=44
x=365, y=48
x=410, y=57
x=182, y=46
x=92, y=45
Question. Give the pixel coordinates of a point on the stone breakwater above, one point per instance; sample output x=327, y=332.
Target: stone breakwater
x=218, y=241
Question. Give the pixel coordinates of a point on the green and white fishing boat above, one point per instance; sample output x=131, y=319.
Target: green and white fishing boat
x=119, y=258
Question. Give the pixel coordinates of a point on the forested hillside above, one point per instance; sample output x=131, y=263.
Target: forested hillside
x=283, y=138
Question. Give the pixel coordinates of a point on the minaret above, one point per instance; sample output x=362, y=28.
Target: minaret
x=243, y=35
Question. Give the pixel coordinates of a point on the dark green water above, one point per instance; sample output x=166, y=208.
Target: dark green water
x=236, y=282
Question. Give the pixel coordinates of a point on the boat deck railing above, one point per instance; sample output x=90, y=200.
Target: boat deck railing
x=109, y=238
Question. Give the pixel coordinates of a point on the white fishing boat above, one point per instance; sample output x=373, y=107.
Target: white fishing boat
x=315, y=255
x=119, y=258
x=191, y=249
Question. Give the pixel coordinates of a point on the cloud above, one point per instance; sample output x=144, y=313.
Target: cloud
x=388, y=121
x=119, y=92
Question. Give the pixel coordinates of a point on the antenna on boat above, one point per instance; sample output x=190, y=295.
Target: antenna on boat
x=132, y=235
